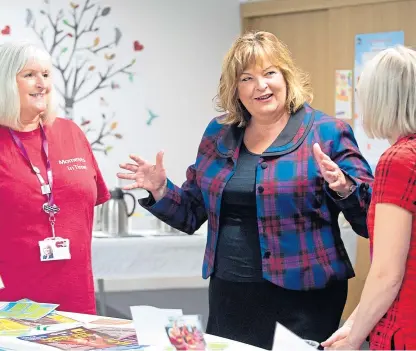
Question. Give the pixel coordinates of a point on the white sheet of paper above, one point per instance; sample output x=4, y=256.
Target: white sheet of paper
x=1, y=283
x=150, y=322
x=285, y=340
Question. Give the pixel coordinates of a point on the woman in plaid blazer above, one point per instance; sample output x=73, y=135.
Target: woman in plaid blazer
x=271, y=176
x=387, y=309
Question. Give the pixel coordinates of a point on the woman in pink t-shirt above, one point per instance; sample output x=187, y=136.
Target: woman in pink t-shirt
x=49, y=185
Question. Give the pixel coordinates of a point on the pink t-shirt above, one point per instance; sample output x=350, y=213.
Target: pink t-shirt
x=77, y=187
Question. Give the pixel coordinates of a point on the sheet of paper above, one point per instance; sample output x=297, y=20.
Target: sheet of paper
x=9, y=327
x=84, y=339
x=1, y=283
x=26, y=310
x=366, y=47
x=149, y=323
x=343, y=94
x=284, y=339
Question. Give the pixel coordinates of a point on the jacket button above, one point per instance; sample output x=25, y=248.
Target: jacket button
x=364, y=186
x=267, y=254
x=264, y=165
x=260, y=189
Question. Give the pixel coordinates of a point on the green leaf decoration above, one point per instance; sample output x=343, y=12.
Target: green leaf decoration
x=106, y=11
x=66, y=22
x=152, y=116
x=64, y=50
x=131, y=78
x=133, y=61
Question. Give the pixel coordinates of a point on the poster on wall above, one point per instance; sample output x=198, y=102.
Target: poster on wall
x=343, y=94
x=366, y=47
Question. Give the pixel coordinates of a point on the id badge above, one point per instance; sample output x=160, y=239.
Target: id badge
x=54, y=249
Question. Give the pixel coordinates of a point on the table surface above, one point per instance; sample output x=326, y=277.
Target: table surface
x=147, y=256
x=152, y=254
x=12, y=343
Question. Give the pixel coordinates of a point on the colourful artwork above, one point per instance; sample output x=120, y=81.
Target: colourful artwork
x=343, y=94
x=84, y=339
x=366, y=47
x=185, y=332
x=86, y=62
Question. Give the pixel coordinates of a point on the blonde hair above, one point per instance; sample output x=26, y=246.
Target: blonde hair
x=250, y=49
x=13, y=58
x=387, y=94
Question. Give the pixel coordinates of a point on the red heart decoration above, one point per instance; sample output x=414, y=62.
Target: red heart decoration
x=137, y=46
x=5, y=30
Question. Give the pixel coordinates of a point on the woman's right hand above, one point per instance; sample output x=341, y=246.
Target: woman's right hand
x=340, y=334
x=146, y=175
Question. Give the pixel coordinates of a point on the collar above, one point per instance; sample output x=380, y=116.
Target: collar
x=294, y=133
x=405, y=138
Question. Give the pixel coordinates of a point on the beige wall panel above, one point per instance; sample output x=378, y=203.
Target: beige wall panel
x=346, y=22
x=306, y=35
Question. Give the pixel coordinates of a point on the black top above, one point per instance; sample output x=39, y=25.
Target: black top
x=238, y=256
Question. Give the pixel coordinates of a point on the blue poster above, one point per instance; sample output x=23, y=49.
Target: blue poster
x=366, y=47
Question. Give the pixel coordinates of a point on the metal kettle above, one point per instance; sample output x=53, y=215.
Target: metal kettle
x=114, y=213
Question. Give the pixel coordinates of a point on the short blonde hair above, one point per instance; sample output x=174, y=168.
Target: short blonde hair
x=251, y=49
x=387, y=93
x=14, y=55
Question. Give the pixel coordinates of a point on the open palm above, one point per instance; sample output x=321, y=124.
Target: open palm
x=151, y=177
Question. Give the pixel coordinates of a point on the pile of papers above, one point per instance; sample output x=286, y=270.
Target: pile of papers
x=39, y=323
x=152, y=329
x=169, y=329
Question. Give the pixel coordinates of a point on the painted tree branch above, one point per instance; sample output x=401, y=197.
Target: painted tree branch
x=58, y=37
x=103, y=79
x=77, y=22
x=64, y=46
x=56, y=31
x=39, y=35
x=106, y=130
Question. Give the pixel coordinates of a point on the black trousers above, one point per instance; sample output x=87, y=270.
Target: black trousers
x=248, y=312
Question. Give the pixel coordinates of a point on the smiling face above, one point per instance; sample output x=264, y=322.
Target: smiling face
x=34, y=86
x=262, y=90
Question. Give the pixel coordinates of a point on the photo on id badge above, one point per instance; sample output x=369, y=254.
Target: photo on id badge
x=54, y=249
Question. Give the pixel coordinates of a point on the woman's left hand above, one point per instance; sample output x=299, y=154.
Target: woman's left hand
x=331, y=172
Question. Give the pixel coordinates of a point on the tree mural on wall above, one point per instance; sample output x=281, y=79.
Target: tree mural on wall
x=85, y=63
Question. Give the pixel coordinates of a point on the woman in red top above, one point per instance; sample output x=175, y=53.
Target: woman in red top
x=49, y=185
x=387, y=309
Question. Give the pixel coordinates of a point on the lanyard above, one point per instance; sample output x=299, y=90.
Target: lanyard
x=46, y=188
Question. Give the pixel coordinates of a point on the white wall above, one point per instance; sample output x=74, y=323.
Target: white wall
x=179, y=69
x=176, y=74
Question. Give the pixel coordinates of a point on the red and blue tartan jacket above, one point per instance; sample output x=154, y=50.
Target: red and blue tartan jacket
x=297, y=213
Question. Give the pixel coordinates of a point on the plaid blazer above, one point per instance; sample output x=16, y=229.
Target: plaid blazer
x=297, y=213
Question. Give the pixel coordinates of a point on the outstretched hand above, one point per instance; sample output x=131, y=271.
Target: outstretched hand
x=331, y=172
x=151, y=177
